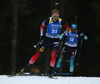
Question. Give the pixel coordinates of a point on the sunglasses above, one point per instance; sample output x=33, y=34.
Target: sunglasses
x=55, y=16
x=73, y=28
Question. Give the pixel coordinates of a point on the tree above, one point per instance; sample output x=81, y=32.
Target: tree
x=14, y=35
x=17, y=6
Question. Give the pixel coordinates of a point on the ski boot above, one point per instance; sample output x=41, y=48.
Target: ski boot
x=23, y=70
x=50, y=72
x=55, y=71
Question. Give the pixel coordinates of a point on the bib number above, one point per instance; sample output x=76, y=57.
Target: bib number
x=54, y=31
x=72, y=39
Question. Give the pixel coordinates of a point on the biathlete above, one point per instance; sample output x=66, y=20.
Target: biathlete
x=70, y=47
x=53, y=24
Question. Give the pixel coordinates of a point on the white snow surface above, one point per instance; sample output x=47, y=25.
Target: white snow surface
x=4, y=79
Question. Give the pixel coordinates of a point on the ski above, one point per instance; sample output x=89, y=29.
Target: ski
x=64, y=74
x=19, y=74
x=53, y=77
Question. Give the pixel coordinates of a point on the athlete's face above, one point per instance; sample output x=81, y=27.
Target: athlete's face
x=73, y=30
x=55, y=16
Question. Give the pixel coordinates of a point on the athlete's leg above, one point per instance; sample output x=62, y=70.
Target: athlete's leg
x=53, y=57
x=34, y=57
x=72, y=63
x=63, y=53
x=52, y=61
x=39, y=52
x=72, y=58
x=42, y=48
x=32, y=60
x=59, y=61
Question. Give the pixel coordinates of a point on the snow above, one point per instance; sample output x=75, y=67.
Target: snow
x=4, y=79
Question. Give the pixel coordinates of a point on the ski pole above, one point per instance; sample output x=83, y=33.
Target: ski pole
x=59, y=48
x=61, y=44
x=77, y=63
x=76, y=17
x=40, y=42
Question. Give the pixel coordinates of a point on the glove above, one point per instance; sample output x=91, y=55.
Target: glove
x=41, y=38
x=60, y=37
x=85, y=37
x=82, y=34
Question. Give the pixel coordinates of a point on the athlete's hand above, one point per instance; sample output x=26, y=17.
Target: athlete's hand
x=82, y=34
x=60, y=37
x=85, y=37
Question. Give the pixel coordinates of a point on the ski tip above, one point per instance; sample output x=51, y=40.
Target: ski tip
x=52, y=77
x=10, y=75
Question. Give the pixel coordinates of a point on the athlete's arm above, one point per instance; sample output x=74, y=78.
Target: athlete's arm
x=44, y=23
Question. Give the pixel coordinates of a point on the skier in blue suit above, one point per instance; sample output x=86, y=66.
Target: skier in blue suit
x=71, y=42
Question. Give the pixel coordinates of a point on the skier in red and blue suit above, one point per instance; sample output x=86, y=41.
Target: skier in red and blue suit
x=53, y=27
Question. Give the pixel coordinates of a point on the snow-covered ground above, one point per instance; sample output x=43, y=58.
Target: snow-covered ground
x=45, y=80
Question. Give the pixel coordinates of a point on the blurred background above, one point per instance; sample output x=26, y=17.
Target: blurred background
x=20, y=22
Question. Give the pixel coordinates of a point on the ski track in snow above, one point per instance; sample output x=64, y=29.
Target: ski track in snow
x=45, y=80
